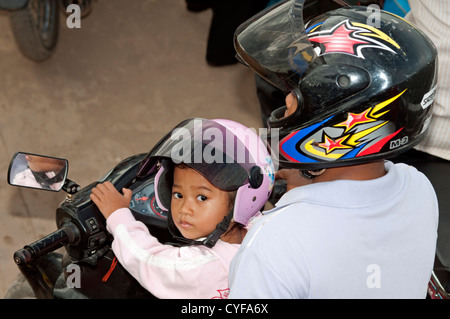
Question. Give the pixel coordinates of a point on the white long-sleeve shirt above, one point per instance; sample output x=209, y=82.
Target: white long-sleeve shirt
x=166, y=271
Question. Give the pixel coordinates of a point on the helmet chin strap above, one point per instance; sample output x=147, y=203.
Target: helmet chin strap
x=312, y=173
x=221, y=228
x=208, y=241
x=45, y=181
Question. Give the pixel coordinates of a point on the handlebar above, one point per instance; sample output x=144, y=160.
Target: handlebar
x=67, y=234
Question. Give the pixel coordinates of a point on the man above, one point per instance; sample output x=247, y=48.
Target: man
x=362, y=227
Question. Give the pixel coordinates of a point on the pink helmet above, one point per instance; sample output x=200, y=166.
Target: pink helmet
x=228, y=154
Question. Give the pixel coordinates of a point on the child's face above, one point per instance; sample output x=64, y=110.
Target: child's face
x=197, y=206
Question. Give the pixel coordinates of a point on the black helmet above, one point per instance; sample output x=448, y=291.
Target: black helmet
x=365, y=82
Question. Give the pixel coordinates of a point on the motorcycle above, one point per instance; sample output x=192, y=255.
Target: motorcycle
x=82, y=231
x=35, y=24
x=88, y=269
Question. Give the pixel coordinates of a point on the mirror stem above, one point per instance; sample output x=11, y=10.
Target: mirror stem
x=70, y=187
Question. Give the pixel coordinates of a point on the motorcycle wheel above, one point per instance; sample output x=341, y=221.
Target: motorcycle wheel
x=85, y=6
x=20, y=289
x=35, y=29
x=50, y=265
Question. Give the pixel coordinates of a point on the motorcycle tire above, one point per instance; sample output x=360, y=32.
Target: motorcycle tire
x=20, y=289
x=86, y=7
x=36, y=29
x=50, y=264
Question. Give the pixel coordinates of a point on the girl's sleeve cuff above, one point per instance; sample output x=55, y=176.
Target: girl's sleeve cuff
x=120, y=216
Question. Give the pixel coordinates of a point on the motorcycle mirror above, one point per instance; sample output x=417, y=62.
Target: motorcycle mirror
x=37, y=171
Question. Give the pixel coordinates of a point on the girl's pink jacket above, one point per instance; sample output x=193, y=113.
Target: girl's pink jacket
x=167, y=271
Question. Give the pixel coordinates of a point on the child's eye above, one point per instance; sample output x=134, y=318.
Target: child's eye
x=201, y=198
x=177, y=195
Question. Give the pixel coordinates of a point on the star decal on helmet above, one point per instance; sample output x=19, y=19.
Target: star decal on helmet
x=355, y=119
x=361, y=134
x=350, y=38
x=330, y=145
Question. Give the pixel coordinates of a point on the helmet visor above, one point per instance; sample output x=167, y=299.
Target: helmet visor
x=274, y=44
x=206, y=146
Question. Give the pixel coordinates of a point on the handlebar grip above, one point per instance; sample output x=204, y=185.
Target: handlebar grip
x=65, y=235
x=23, y=256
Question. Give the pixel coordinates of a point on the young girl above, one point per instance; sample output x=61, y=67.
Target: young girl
x=210, y=202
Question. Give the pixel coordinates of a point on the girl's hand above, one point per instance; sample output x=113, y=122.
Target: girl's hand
x=108, y=199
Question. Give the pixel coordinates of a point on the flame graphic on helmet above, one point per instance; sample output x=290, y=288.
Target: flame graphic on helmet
x=360, y=134
x=350, y=38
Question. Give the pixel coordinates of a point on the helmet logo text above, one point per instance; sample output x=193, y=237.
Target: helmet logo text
x=399, y=142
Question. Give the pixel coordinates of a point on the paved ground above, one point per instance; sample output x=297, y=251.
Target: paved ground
x=113, y=87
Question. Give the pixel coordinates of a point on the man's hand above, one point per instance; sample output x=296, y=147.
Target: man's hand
x=108, y=199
